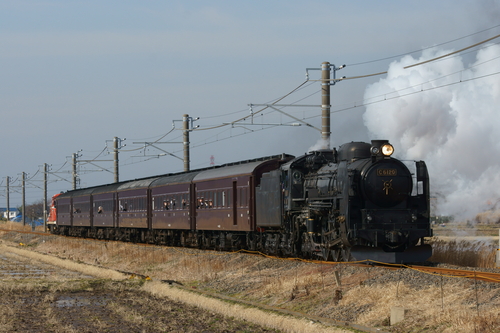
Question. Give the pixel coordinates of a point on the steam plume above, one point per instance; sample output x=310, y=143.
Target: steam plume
x=320, y=144
x=450, y=121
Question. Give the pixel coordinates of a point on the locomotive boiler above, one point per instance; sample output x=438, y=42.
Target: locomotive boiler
x=357, y=203
x=354, y=203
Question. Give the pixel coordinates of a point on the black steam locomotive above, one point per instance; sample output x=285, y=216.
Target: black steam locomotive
x=356, y=203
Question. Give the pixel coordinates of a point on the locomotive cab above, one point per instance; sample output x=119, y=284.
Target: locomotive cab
x=295, y=173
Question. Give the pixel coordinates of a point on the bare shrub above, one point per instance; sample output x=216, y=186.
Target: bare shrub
x=337, y=297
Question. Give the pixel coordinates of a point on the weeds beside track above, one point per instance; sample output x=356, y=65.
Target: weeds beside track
x=362, y=295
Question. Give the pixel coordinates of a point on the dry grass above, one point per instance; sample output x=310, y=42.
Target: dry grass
x=308, y=288
x=9, y=225
x=424, y=313
x=365, y=296
x=260, y=317
x=480, y=253
x=67, y=264
x=187, y=266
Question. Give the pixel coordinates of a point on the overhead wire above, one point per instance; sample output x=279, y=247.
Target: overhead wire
x=29, y=179
x=413, y=65
x=95, y=158
x=423, y=62
x=435, y=79
x=427, y=48
x=399, y=95
x=62, y=166
x=225, y=114
x=433, y=88
x=149, y=143
x=348, y=78
x=244, y=110
x=243, y=118
x=410, y=66
x=301, y=86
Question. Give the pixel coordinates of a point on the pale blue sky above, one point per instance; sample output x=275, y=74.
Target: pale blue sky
x=74, y=74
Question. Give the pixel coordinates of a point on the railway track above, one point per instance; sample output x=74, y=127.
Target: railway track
x=445, y=272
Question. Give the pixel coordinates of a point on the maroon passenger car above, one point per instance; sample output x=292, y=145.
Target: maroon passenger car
x=225, y=197
x=171, y=198
x=204, y=207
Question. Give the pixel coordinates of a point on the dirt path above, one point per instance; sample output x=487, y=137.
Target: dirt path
x=39, y=297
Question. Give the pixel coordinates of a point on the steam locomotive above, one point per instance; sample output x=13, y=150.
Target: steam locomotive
x=354, y=203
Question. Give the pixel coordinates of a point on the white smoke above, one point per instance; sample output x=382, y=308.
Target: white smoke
x=320, y=144
x=450, y=121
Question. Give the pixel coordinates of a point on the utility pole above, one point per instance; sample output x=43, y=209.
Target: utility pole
x=327, y=80
x=8, y=199
x=187, y=126
x=325, y=103
x=75, y=155
x=45, y=174
x=24, y=198
x=185, y=129
x=115, y=150
x=76, y=179
x=117, y=145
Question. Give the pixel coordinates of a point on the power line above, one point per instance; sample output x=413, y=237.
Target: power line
x=243, y=118
x=303, y=86
x=94, y=159
x=426, y=61
x=398, y=92
x=427, y=48
x=408, y=94
x=150, y=143
x=350, y=78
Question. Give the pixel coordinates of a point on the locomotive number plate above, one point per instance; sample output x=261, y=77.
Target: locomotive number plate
x=387, y=172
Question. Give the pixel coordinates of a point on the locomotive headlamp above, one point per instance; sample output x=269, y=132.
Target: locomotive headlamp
x=387, y=149
x=374, y=150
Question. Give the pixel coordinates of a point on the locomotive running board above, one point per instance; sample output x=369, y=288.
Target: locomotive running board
x=413, y=255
